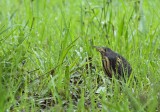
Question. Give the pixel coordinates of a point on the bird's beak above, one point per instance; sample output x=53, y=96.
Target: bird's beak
x=100, y=49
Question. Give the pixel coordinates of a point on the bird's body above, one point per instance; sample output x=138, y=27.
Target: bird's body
x=113, y=63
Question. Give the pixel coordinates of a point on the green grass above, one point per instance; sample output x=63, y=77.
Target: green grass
x=45, y=44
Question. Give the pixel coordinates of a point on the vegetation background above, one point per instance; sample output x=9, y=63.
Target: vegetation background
x=47, y=62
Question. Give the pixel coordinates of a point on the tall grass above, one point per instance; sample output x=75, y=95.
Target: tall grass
x=45, y=47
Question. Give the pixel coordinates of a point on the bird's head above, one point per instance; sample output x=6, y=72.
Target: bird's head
x=102, y=50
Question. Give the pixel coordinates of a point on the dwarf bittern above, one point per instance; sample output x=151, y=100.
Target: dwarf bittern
x=113, y=63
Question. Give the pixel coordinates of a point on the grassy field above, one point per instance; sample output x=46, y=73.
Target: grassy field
x=45, y=46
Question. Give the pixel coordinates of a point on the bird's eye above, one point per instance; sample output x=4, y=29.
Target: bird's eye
x=105, y=49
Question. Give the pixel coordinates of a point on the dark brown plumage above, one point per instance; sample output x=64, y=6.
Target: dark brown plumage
x=113, y=63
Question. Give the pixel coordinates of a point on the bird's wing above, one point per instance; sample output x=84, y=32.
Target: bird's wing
x=118, y=61
x=107, y=67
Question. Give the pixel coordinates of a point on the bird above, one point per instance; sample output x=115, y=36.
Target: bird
x=113, y=63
